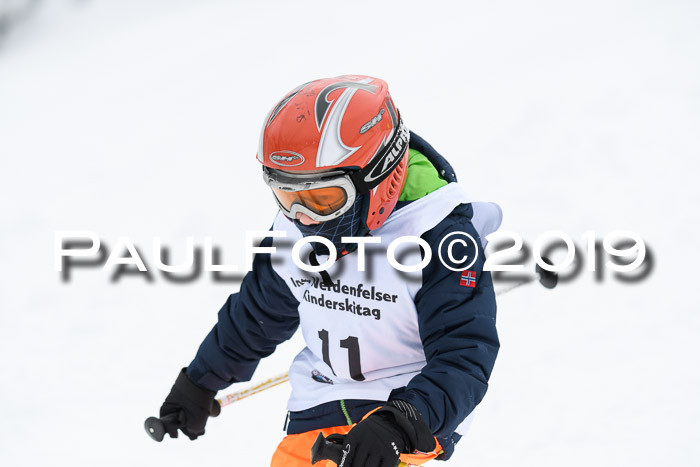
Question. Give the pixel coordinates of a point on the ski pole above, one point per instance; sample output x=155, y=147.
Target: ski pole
x=548, y=279
x=265, y=385
x=326, y=450
x=156, y=428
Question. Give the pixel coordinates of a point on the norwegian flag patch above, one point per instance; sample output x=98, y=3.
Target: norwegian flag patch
x=468, y=279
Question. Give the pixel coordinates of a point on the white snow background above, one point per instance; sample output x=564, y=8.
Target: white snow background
x=141, y=119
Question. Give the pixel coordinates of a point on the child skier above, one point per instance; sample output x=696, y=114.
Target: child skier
x=394, y=362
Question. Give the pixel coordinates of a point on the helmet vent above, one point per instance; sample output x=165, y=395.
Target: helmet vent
x=396, y=181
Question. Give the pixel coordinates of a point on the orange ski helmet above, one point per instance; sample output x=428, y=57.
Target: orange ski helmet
x=329, y=141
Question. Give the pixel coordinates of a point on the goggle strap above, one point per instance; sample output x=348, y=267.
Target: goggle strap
x=382, y=165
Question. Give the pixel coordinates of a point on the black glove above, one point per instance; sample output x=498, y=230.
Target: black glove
x=187, y=407
x=391, y=430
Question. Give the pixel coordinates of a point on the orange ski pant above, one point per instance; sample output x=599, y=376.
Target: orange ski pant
x=295, y=450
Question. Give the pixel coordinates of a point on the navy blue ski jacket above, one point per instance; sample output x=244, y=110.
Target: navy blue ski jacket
x=457, y=329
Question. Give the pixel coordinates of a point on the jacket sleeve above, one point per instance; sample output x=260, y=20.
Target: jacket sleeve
x=457, y=324
x=252, y=322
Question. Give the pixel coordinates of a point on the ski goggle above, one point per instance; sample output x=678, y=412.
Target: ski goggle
x=326, y=195
x=321, y=196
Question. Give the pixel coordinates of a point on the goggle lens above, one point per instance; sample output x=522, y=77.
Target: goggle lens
x=322, y=201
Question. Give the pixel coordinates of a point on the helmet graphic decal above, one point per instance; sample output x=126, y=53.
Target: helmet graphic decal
x=271, y=116
x=392, y=112
x=376, y=119
x=322, y=102
x=331, y=149
x=283, y=102
x=287, y=158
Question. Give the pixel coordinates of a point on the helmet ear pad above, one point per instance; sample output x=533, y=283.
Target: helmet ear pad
x=384, y=196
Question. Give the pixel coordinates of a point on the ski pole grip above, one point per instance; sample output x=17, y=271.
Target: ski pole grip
x=155, y=427
x=548, y=279
x=326, y=450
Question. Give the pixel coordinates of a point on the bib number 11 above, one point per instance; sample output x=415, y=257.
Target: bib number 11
x=352, y=344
